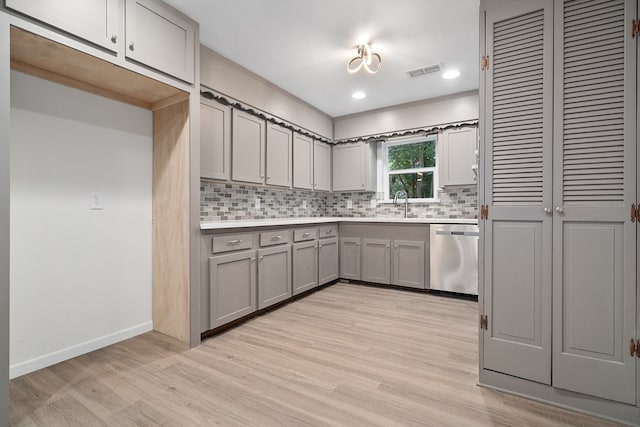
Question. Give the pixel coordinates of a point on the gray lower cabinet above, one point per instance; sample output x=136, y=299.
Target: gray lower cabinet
x=376, y=261
x=350, y=258
x=327, y=260
x=232, y=287
x=274, y=275
x=305, y=266
x=408, y=264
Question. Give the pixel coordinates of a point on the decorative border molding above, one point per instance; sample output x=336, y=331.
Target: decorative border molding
x=408, y=132
x=234, y=103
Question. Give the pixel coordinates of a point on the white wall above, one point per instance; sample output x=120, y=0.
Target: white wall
x=80, y=278
x=428, y=113
x=229, y=78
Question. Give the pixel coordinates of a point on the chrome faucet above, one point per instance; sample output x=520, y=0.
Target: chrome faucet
x=406, y=200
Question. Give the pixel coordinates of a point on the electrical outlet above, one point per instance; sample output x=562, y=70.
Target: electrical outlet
x=257, y=205
x=304, y=204
x=349, y=204
x=95, y=201
x=373, y=203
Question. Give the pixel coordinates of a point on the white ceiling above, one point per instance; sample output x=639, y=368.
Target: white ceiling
x=303, y=46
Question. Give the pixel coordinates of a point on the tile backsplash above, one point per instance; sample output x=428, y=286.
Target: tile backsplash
x=233, y=201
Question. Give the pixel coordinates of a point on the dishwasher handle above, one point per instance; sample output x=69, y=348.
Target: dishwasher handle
x=457, y=233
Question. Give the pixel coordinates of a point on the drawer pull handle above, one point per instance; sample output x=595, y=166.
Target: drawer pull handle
x=235, y=242
x=306, y=234
x=275, y=238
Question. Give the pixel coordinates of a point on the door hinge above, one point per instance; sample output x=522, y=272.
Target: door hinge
x=484, y=322
x=633, y=348
x=635, y=28
x=484, y=212
x=484, y=63
x=635, y=210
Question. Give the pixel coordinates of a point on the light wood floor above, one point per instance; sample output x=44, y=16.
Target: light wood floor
x=347, y=355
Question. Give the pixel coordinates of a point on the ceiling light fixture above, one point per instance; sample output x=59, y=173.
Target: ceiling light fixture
x=358, y=95
x=451, y=74
x=365, y=59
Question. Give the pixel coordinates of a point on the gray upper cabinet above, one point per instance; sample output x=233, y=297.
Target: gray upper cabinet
x=517, y=233
x=376, y=261
x=154, y=33
x=328, y=260
x=354, y=167
x=274, y=275
x=248, y=148
x=458, y=150
x=302, y=161
x=160, y=38
x=215, y=140
x=232, y=287
x=279, y=155
x=305, y=266
x=321, y=166
x=95, y=21
x=350, y=258
x=408, y=264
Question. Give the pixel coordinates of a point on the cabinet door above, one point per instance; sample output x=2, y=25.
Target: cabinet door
x=517, y=233
x=279, y=155
x=350, y=258
x=594, y=273
x=95, y=21
x=321, y=166
x=348, y=167
x=274, y=275
x=248, y=148
x=302, y=161
x=408, y=263
x=232, y=293
x=305, y=266
x=215, y=140
x=376, y=261
x=160, y=38
x=459, y=155
x=327, y=260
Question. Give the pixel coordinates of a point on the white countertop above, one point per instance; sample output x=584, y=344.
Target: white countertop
x=220, y=225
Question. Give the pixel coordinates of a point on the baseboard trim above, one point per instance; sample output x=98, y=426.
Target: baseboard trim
x=58, y=356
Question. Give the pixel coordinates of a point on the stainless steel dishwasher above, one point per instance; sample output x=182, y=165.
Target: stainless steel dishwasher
x=454, y=258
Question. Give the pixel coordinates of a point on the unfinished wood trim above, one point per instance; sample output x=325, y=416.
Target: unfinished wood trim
x=77, y=84
x=45, y=58
x=171, y=244
x=166, y=102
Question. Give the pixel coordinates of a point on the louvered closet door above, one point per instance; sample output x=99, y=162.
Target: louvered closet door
x=517, y=234
x=594, y=276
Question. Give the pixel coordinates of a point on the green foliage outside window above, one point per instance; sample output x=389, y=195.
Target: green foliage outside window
x=417, y=184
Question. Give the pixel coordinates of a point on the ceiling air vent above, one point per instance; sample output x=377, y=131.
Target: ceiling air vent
x=423, y=71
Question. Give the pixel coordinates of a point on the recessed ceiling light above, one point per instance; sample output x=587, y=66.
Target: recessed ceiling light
x=358, y=95
x=451, y=74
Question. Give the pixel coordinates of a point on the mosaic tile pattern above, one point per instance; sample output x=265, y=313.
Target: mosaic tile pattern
x=233, y=201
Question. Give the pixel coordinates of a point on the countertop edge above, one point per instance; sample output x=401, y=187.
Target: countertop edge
x=222, y=225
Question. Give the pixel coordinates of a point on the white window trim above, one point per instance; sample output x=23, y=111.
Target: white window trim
x=386, y=197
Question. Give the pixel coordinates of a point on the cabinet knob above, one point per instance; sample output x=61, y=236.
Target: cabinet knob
x=114, y=38
x=548, y=210
x=268, y=177
x=559, y=209
x=132, y=47
x=261, y=258
x=261, y=176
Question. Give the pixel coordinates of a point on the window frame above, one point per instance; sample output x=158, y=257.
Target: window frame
x=384, y=145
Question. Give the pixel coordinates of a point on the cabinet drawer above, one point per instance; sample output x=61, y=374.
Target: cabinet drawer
x=328, y=231
x=269, y=238
x=232, y=242
x=305, y=234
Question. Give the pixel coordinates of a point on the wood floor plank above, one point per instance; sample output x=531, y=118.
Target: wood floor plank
x=347, y=355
